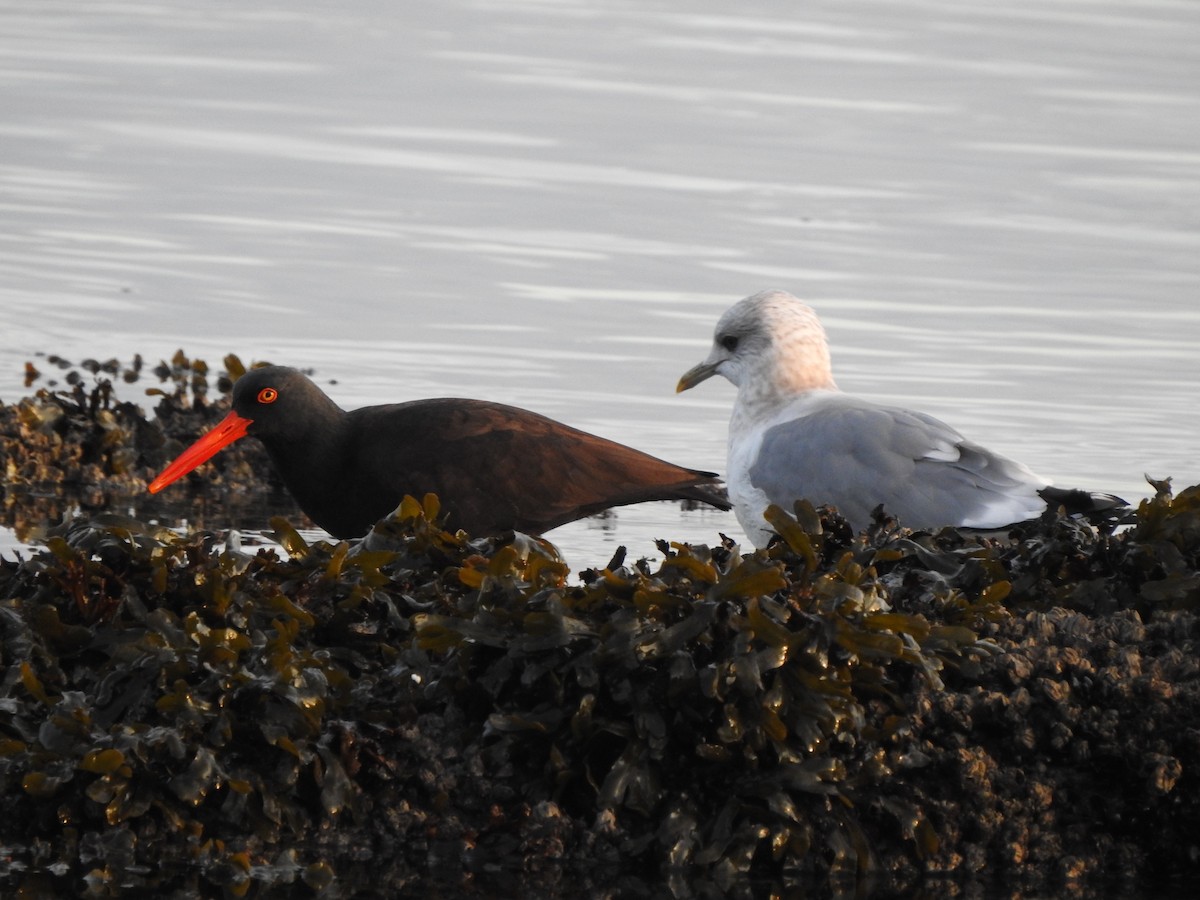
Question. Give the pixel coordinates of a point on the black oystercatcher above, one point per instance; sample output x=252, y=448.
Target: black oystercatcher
x=493, y=467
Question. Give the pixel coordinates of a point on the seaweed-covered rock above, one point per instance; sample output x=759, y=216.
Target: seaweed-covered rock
x=75, y=445
x=836, y=714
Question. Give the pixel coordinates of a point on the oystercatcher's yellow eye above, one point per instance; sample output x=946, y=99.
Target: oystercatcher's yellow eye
x=268, y=395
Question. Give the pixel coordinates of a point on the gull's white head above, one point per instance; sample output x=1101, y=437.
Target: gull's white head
x=770, y=344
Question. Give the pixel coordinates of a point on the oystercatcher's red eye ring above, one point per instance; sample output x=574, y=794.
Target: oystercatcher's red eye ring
x=268, y=395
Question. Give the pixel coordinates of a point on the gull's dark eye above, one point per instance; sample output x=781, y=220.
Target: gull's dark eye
x=729, y=342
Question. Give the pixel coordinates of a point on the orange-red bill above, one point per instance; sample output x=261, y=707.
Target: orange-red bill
x=225, y=433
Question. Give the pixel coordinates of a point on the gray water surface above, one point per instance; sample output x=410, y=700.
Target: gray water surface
x=994, y=206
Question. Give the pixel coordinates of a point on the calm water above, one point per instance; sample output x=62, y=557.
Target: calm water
x=995, y=208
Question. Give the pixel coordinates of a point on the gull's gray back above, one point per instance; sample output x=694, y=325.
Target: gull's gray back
x=854, y=454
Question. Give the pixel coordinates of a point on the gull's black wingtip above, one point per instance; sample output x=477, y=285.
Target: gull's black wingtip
x=1097, y=508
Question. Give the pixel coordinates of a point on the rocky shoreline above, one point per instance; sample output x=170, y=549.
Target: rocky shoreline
x=844, y=715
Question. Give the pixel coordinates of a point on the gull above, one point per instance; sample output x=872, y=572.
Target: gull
x=794, y=435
